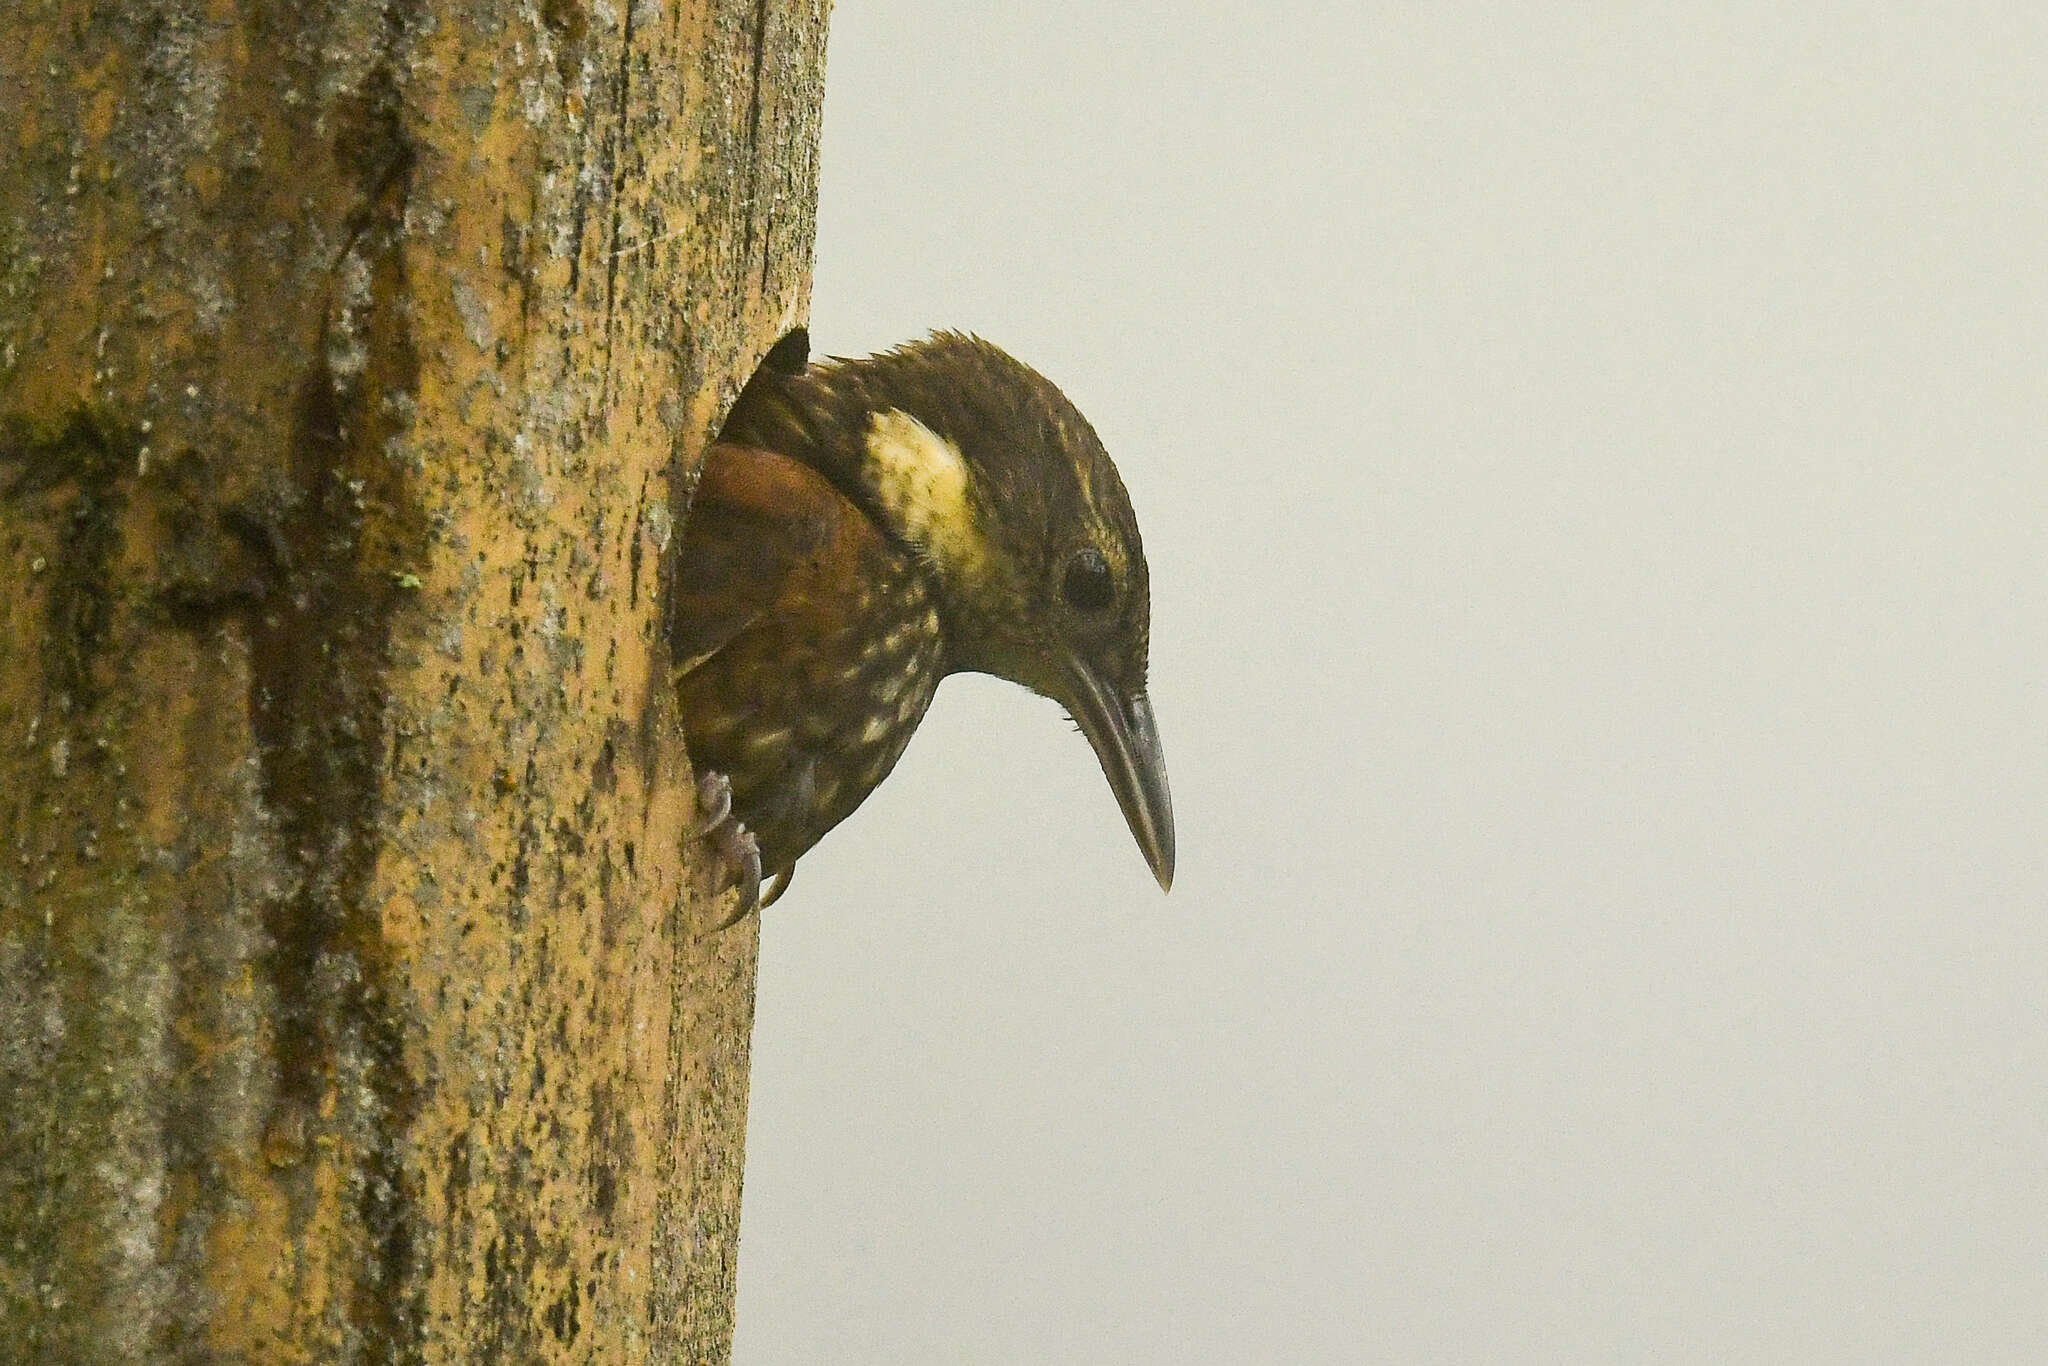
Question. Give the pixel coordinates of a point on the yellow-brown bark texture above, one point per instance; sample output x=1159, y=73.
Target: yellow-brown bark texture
x=355, y=360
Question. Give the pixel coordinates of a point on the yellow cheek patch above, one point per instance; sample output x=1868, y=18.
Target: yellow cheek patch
x=921, y=479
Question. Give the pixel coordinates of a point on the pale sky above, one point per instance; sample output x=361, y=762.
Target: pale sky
x=1592, y=464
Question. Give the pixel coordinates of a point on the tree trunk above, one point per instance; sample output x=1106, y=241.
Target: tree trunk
x=354, y=1002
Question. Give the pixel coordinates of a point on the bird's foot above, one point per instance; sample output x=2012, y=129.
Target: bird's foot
x=738, y=855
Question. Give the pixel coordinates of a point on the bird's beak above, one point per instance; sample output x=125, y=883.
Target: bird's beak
x=1126, y=741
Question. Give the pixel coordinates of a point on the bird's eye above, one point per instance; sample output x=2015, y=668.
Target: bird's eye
x=1086, y=583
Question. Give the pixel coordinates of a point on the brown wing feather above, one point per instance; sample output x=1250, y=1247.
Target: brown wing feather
x=755, y=518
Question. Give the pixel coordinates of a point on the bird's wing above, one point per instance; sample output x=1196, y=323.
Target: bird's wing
x=755, y=518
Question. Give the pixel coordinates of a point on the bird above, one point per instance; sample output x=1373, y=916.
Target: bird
x=860, y=530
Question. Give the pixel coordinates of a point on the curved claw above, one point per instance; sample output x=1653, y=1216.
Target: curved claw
x=736, y=843
x=714, y=804
x=737, y=850
x=782, y=877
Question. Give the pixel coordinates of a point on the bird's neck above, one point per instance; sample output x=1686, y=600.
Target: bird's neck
x=922, y=492
x=911, y=481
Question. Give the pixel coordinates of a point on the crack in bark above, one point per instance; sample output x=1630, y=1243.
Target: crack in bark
x=616, y=169
x=319, y=657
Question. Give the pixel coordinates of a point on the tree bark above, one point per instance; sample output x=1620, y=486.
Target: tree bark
x=354, y=998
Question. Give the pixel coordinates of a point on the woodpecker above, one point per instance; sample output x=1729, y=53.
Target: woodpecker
x=860, y=530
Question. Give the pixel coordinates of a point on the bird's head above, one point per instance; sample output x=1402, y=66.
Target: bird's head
x=982, y=466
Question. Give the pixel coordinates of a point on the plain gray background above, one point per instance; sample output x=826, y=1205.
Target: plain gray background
x=1591, y=460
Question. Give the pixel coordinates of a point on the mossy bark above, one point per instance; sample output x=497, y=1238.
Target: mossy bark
x=354, y=1004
